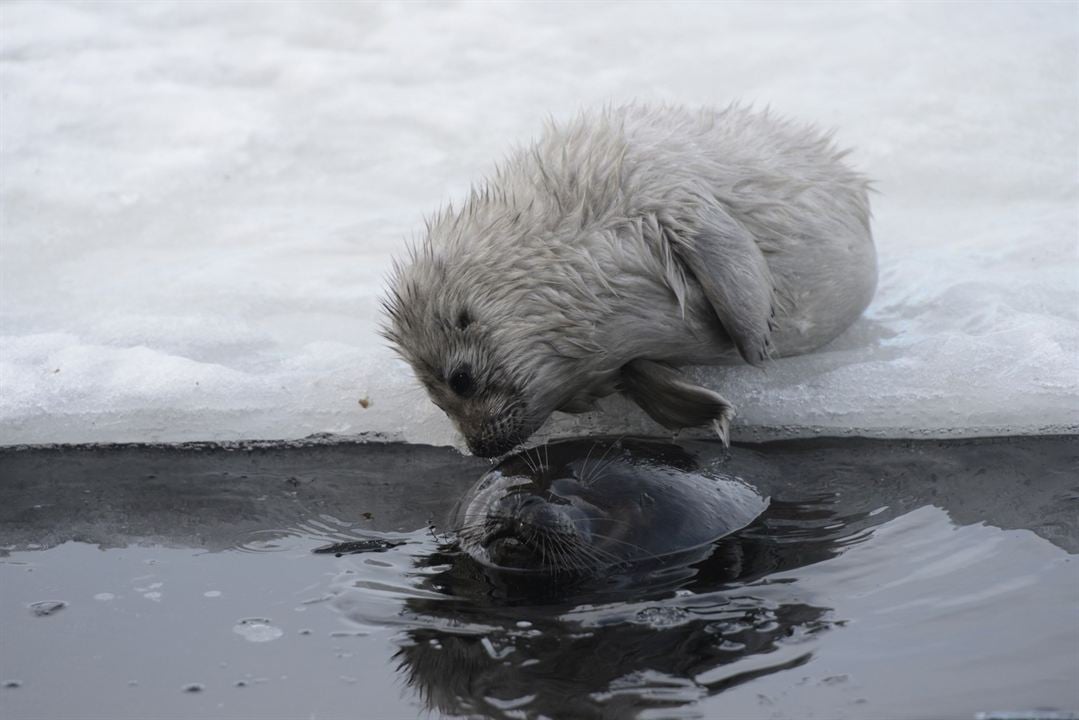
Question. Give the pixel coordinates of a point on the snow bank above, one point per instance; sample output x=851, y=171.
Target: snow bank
x=199, y=202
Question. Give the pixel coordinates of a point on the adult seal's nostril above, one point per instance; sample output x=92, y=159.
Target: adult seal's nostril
x=651, y=500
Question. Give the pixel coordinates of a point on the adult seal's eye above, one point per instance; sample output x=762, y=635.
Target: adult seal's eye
x=461, y=382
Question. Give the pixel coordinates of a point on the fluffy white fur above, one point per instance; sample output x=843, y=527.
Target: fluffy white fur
x=621, y=245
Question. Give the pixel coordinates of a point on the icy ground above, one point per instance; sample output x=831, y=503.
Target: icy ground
x=199, y=201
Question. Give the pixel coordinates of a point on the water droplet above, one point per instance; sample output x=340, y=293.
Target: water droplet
x=661, y=617
x=257, y=630
x=47, y=607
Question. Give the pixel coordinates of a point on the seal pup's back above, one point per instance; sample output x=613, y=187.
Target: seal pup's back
x=621, y=245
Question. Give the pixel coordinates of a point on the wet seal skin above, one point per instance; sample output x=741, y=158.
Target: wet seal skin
x=583, y=506
x=620, y=246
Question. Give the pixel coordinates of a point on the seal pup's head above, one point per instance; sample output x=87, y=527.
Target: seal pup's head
x=497, y=326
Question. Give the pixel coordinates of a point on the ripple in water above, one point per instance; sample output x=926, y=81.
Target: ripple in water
x=325, y=530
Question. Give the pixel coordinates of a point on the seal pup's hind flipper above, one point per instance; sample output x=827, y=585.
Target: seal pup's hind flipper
x=663, y=393
x=732, y=272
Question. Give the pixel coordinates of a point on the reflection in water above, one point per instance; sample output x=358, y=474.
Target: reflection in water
x=953, y=564
x=511, y=644
x=588, y=505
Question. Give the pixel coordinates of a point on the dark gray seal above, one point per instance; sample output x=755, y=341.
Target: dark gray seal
x=586, y=505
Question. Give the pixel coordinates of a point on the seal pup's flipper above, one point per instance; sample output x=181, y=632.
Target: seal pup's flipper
x=732, y=271
x=663, y=393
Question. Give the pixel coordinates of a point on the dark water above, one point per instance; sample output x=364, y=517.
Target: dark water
x=886, y=580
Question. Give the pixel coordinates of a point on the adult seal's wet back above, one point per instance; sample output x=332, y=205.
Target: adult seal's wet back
x=620, y=246
x=584, y=505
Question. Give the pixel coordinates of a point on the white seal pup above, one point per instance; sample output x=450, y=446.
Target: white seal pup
x=624, y=244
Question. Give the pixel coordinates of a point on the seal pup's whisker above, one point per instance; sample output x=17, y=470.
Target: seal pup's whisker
x=528, y=461
x=601, y=467
x=584, y=463
x=539, y=460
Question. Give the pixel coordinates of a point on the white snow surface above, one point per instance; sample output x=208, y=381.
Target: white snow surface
x=200, y=202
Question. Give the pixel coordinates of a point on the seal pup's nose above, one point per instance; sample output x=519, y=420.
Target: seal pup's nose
x=490, y=447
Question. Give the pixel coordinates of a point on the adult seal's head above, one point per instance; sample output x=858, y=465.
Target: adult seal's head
x=623, y=245
x=584, y=505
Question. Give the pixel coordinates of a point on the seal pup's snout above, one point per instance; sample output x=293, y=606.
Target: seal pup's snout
x=489, y=447
x=491, y=435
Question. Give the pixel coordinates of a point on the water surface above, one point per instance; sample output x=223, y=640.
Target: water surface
x=886, y=580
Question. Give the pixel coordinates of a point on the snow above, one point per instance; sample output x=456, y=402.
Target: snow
x=200, y=200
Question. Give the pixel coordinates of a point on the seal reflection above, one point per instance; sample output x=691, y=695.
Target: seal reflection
x=526, y=628
x=613, y=646
x=585, y=506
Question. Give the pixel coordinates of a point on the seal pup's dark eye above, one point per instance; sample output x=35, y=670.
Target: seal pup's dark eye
x=461, y=382
x=463, y=319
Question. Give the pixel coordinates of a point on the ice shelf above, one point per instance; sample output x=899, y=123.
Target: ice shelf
x=200, y=201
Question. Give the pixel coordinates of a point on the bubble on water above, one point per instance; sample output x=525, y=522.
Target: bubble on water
x=212, y=593
x=47, y=607
x=104, y=597
x=661, y=617
x=523, y=624
x=194, y=688
x=257, y=630
x=268, y=540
